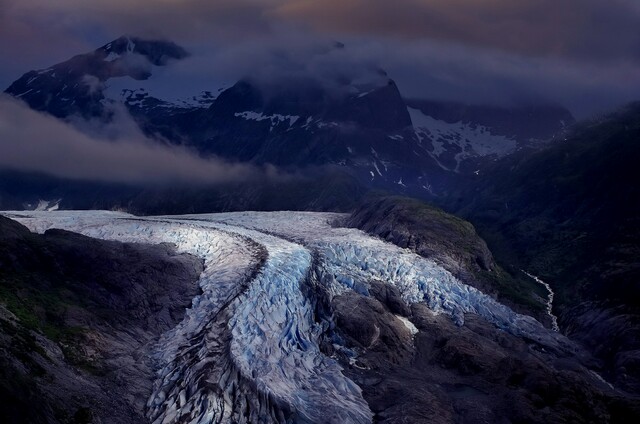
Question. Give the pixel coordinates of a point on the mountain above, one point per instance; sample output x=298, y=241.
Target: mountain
x=75, y=87
x=414, y=147
x=395, y=312
x=465, y=138
x=78, y=317
x=569, y=214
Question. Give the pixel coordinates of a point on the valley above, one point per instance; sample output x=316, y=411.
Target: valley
x=284, y=328
x=226, y=215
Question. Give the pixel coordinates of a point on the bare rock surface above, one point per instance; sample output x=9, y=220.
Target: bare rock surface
x=88, y=312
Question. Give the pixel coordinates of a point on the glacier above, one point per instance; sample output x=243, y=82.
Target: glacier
x=248, y=348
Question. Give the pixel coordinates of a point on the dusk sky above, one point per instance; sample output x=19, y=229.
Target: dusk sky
x=584, y=54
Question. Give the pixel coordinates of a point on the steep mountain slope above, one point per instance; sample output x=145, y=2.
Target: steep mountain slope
x=75, y=87
x=364, y=127
x=450, y=241
x=466, y=138
x=78, y=317
x=569, y=214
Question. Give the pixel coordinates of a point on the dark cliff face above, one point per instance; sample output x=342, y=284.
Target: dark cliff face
x=77, y=319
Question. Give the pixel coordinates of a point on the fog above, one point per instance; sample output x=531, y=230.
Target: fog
x=120, y=153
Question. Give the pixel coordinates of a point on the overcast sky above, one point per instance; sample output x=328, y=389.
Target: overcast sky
x=584, y=54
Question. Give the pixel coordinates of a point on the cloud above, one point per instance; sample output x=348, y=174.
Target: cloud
x=579, y=29
x=433, y=70
x=582, y=29
x=421, y=68
x=31, y=141
x=584, y=54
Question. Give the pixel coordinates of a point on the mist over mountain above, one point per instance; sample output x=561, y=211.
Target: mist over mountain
x=324, y=115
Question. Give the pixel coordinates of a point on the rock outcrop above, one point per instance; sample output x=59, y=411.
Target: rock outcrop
x=450, y=241
x=78, y=318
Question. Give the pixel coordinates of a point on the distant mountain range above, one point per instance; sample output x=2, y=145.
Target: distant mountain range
x=369, y=130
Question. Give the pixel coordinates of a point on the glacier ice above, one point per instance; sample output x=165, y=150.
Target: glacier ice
x=250, y=341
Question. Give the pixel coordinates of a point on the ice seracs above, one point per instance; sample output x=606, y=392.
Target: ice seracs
x=248, y=347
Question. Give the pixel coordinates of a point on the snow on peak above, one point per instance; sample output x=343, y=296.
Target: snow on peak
x=130, y=45
x=275, y=118
x=472, y=140
x=111, y=57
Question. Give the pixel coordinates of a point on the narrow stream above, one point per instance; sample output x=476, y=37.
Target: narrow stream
x=549, y=304
x=248, y=350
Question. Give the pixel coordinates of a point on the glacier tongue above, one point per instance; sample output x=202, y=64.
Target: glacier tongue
x=275, y=339
x=350, y=258
x=275, y=371
x=247, y=350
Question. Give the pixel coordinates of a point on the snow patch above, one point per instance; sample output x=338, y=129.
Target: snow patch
x=48, y=205
x=111, y=57
x=275, y=118
x=375, y=165
x=130, y=45
x=412, y=328
x=472, y=140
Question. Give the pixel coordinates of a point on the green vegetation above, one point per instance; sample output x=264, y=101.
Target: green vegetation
x=434, y=233
x=43, y=312
x=37, y=310
x=514, y=286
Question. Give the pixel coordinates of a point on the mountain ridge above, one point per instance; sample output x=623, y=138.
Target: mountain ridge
x=368, y=129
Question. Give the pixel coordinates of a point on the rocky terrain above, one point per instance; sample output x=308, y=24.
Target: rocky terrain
x=436, y=372
x=328, y=128
x=607, y=328
x=79, y=318
x=450, y=241
x=300, y=319
x=569, y=214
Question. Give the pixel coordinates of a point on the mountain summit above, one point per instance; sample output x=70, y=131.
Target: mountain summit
x=75, y=86
x=362, y=126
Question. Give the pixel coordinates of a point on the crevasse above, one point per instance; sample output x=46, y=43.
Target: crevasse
x=247, y=350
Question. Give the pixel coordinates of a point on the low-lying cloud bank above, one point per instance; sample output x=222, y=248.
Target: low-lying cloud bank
x=33, y=142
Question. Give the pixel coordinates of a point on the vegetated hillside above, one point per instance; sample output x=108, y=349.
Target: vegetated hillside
x=450, y=241
x=78, y=317
x=570, y=214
